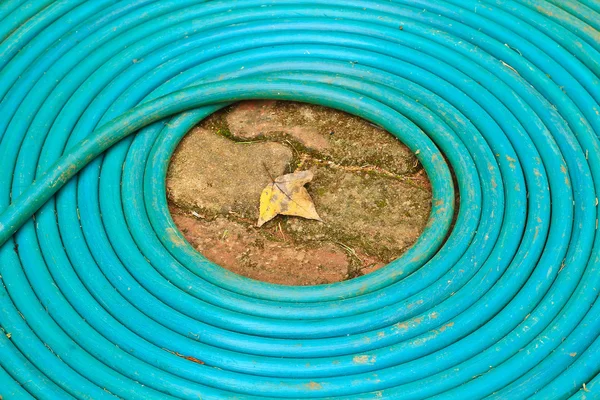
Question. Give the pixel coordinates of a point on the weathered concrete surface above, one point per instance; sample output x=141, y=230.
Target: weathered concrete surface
x=369, y=189
x=216, y=175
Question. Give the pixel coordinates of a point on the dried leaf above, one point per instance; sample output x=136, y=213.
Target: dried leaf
x=286, y=195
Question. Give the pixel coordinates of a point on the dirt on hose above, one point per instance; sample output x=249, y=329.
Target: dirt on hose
x=372, y=194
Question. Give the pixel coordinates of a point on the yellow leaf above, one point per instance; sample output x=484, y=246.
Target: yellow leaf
x=286, y=195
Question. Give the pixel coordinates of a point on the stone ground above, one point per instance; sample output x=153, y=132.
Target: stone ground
x=370, y=191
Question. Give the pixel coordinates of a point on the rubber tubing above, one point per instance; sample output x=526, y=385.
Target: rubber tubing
x=102, y=297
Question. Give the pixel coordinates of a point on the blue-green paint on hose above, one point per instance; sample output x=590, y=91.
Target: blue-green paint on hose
x=101, y=296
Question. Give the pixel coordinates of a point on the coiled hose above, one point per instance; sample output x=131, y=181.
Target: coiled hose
x=101, y=296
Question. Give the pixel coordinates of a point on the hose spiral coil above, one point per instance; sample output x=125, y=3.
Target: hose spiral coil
x=101, y=296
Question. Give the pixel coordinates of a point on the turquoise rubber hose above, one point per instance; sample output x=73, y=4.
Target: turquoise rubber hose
x=102, y=297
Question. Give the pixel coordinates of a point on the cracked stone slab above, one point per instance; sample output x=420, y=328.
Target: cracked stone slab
x=372, y=195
